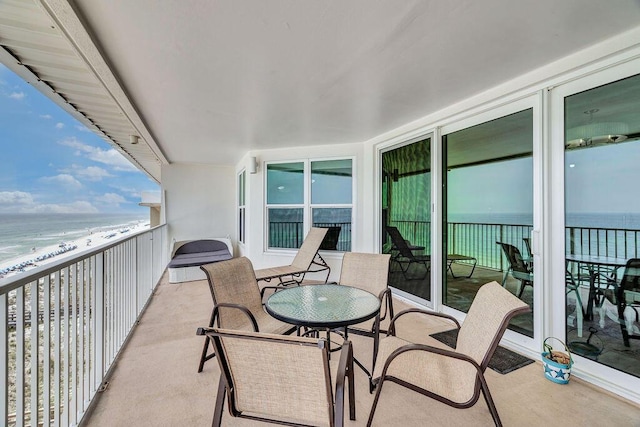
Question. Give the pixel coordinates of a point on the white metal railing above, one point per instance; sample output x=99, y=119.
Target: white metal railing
x=62, y=326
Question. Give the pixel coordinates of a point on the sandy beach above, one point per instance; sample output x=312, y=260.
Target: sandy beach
x=67, y=249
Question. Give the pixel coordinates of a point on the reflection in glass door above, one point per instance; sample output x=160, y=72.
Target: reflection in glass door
x=602, y=223
x=488, y=212
x=406, y=216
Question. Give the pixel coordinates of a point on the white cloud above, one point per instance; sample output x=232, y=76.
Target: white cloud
x=111, y=199
x=75, y=207
x=59, y=125
x=15, y=198
x=131, y=192
x=23, y=202
x=63, y=179
x=46, y=116
x=17, y=95
x=109, y=157
x=82, y=128
x=91, y=173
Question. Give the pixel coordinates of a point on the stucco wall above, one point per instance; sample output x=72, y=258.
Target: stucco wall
x=199, y=201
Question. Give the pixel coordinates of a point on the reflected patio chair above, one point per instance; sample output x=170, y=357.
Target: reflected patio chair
x=454, y=377
x=237, y=301
x=307, y=260
x=405, y=255
x=571, y=286
x=330, y=241
x=369, y=272
x=517, y=267
x=628, y=298
x=278, y=379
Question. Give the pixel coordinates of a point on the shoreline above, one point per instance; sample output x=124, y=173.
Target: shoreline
x=66, y=249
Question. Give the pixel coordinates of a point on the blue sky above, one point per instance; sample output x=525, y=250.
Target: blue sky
x=54, y=164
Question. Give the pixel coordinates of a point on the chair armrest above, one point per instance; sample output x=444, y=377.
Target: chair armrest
x=242, y=308
x=386, y=293
x=392, y=325
x=345, y=369
x=429, y=349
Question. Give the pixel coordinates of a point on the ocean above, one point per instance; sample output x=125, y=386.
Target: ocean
x=20, y=233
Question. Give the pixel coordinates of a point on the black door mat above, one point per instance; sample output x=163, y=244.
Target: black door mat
x=503, y=360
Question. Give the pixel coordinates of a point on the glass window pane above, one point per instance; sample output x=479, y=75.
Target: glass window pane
x=285, y=227
x=331, y=182
x=241, y=189
x=406, y=207
x=602, y=222
x=338, y=221
x=285, y=183
x=488, y=211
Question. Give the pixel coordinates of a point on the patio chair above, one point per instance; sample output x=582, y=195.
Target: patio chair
x=454, y=377
x=405, y=254
x=572, y=286
x=307, y=260
x=330, y=241
x=628, y=301
x=517, y=267
x=369, y=272
x=278, y=379
x=237, y=301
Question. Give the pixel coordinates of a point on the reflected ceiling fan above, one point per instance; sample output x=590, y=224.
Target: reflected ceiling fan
x=598, y=133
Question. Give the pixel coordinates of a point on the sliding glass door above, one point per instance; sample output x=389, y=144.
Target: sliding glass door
x=601, y=147
x=406, y=216
x=488, y=209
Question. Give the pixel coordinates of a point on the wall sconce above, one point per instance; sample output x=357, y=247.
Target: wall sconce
x=253, y=164
x=134, y=139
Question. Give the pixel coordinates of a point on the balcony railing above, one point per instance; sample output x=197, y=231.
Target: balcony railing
x=290, y=234
x=62, y=326
x=479, y=240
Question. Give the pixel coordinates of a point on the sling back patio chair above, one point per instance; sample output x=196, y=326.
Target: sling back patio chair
x=307, y=260
x=369, y=272
x=628, y=301
x=404, y=254
x=237, y=301
x=455, y=377
x=518, y=268
x=573, y=287
x=281, y=379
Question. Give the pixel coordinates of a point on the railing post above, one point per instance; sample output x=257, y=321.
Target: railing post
x=100, y=332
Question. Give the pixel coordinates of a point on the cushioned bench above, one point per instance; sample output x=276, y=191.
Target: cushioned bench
x=189, y=255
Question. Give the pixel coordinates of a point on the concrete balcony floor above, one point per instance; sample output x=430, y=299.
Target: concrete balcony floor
x=155, y=381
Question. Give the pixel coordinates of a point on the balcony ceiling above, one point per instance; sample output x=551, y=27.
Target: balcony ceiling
x=208, y=81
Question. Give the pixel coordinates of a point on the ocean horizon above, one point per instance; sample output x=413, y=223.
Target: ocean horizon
x=21, y=233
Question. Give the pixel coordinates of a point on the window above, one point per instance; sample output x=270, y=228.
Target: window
x=241, y=206
x=310, y=193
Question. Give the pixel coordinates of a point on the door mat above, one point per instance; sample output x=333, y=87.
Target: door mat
x=503, y=360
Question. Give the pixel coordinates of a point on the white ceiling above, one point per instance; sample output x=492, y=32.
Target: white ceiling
x=213, y=79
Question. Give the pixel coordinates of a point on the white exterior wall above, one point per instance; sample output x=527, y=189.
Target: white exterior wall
x=199, y=201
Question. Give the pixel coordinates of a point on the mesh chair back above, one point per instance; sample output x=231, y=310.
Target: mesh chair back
x=515, y=258
x=631, y=278
x=365, y=271
x=486, y=321
x=234, y=282
x=309, y=248
x=277, y=377
x=399, y=242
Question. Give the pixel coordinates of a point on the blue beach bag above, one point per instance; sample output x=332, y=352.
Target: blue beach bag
x=557, y=364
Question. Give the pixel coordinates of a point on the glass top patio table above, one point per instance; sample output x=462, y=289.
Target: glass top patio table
x=593, y=264
x=323, y=306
